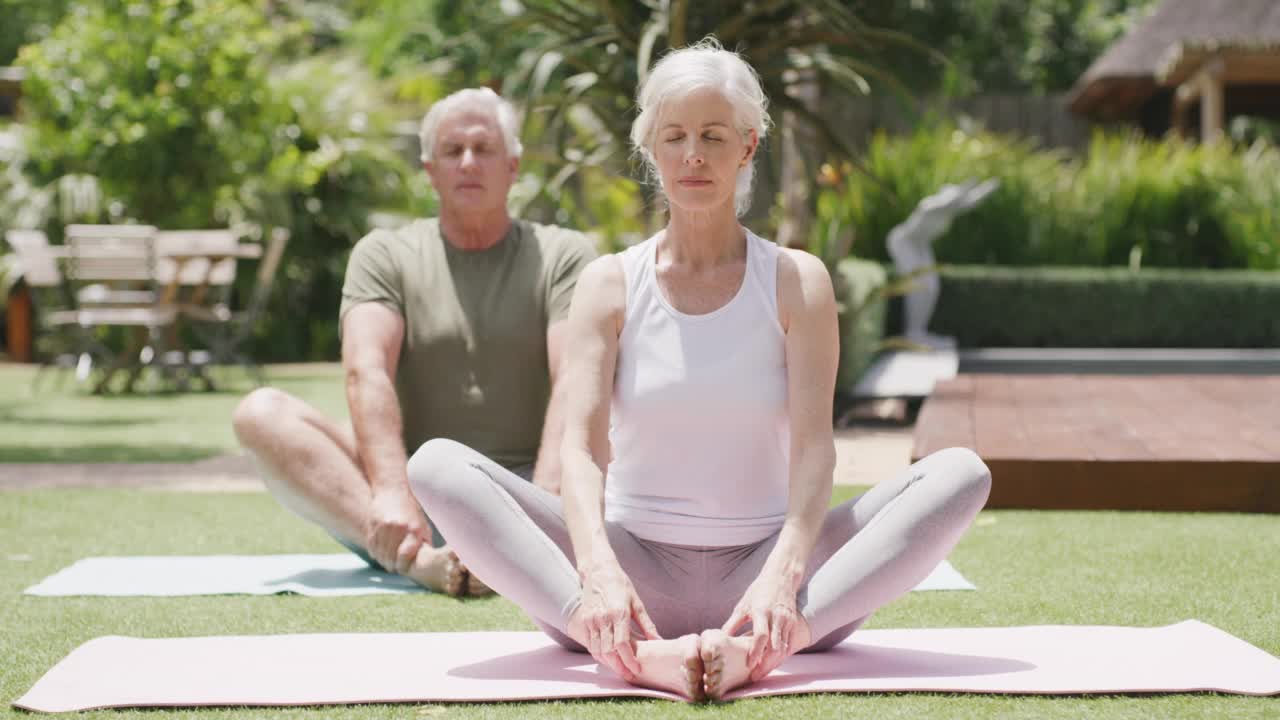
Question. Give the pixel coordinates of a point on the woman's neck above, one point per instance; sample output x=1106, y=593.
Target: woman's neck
x=702, y=239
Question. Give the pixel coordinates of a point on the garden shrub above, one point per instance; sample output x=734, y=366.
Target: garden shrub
x=1127, y=201
x=862, y=317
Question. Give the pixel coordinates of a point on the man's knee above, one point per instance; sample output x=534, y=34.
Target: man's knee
x=259, y=410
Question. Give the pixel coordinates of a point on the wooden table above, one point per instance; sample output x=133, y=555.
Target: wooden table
x=193, y=265
x=184, y=259
x=1125, y=442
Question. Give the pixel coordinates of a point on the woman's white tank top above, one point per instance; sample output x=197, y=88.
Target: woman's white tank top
x=699, y=426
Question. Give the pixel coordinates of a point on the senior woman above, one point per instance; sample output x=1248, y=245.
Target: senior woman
x=698, y=451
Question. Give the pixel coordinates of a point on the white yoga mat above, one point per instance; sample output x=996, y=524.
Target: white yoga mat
x=174, y=575
x=311, y=575
x=340, y=669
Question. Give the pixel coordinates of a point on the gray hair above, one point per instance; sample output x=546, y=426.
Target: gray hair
x=469, y=98
x=705, y=64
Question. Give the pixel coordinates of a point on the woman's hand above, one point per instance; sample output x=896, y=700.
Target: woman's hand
x=777, y=629
x=610, y=607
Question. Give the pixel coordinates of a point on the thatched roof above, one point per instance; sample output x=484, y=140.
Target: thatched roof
x=1134, y=66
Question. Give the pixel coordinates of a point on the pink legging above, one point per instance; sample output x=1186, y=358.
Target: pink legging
x=871, y=549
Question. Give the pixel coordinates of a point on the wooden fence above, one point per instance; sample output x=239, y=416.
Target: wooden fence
x=1044, y=118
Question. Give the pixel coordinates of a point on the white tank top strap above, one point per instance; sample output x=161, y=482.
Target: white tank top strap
x=635, y=268
x=765, y=270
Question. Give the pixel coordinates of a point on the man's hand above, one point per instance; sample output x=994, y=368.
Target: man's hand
x=397, y=530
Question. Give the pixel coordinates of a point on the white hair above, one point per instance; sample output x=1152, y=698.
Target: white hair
x=681, y=72
x=470, y=99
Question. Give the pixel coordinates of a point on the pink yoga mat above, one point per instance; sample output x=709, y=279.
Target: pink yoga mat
x=487, y=666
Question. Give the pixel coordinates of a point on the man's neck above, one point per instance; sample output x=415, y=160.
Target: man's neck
x=474, y=231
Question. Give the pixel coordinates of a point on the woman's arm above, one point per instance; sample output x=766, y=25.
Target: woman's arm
x=602, y=622
x=807, y=309
x=594, y=323
x=813, y=353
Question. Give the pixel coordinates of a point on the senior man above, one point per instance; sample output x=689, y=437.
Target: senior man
x=452, y=327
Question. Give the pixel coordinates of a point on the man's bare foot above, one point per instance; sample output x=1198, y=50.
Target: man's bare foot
x=475, y=588
x=672, y=665
x=438, y=569
x=724, y=662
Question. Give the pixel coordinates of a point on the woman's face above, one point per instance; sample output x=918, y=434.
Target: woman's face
x=699, y=152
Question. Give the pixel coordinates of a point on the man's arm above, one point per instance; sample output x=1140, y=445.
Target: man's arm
x=574, y=257
x=372, y=334
x=546, y=473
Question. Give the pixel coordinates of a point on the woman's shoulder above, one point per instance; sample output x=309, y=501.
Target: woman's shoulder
x=803, y=281
x=603, y=282
x=801, y=264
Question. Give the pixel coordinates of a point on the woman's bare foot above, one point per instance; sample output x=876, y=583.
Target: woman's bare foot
x=672, y=665
x=724, y=662
x=439, y=569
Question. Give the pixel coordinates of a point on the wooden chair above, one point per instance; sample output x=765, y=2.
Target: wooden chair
x=195, y=269
x=123, y=259
x=39, y=261
x=226, y=332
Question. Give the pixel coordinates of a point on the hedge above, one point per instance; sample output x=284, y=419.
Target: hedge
x=1108, y=307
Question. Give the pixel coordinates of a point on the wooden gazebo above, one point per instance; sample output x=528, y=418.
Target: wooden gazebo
x=1222, y=55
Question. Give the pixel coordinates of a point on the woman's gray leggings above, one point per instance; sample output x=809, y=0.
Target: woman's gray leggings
x=871, y=549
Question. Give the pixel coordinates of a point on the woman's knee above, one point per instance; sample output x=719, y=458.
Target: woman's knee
x=435, y=470
x=965, y=472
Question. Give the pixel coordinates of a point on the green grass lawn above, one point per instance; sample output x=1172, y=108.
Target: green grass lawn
x=1031, y=568
x=59, y=421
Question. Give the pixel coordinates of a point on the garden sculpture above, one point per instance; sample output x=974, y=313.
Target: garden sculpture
x=911, y=247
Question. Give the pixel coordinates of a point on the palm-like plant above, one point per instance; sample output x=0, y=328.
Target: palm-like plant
x=585, y=60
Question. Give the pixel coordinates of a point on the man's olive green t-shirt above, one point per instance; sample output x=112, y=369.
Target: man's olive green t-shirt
x=473, y=366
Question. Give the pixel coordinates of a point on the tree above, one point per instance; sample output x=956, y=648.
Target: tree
x=198, y=113
x=26, y=21
x=166, y=104
x=580, y=75
x=1037, y=46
